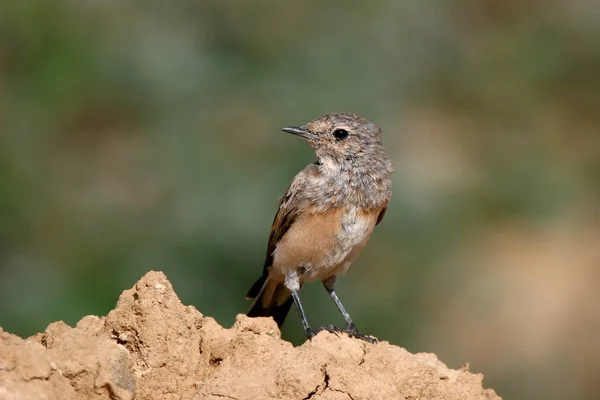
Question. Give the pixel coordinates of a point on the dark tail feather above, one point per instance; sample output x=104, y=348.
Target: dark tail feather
x=257, y=287
x=269, y=307
x=277, y=312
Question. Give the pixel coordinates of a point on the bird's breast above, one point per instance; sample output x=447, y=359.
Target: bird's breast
x=322, y=244
x=356, y=226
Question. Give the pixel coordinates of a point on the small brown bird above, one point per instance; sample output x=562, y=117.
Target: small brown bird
x=326, y=217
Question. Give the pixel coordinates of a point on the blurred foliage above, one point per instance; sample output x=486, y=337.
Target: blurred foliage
x=145, y=135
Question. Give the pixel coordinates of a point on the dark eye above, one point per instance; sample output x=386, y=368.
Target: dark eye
x=340, y=134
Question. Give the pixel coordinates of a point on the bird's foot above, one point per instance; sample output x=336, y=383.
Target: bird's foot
x=327, y=328
x=353, y=332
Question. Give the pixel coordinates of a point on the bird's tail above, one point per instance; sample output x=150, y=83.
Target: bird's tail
x=271, y=299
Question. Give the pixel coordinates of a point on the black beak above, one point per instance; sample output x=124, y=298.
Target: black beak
x=298, y=131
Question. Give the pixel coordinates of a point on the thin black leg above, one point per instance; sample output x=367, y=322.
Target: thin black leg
x=307, y=329
x=296, y=297
x=351, y=328
x=340, y=307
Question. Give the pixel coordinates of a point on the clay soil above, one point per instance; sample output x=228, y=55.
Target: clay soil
x=153, y=347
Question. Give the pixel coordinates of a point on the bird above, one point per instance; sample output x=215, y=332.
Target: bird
x=325, y=218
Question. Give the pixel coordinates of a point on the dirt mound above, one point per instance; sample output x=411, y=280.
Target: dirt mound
x=153, y=347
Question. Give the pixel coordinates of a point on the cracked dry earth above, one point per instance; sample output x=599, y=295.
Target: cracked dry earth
x=153, y=347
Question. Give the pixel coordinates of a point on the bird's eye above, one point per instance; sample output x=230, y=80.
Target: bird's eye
x=340, y=134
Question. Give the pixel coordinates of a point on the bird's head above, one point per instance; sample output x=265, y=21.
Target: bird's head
x=340, y=138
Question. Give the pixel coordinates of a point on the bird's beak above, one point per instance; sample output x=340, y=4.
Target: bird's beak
x=299, y=131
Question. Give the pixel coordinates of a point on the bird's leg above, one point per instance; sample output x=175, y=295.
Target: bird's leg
x=296, y=297
x=351, y=328
x=292, y=282
x=329, y=284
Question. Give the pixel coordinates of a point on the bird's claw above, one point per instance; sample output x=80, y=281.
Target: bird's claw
x=350, y=330
x=327, y=328
x=353, y=332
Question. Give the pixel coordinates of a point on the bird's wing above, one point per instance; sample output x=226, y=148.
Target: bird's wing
x=285, y=217
x=289, y=209
x=381, y=214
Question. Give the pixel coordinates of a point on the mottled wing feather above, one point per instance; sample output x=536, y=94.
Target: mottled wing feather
x=284, y=218
x=289, y=208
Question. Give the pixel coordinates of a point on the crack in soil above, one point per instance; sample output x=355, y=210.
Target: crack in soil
x=341, y=391
x=223, y=396
x=362, y=360
x=321, y=387
x=37, y=378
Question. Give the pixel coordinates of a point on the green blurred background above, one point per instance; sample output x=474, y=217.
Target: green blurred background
x=144, y=135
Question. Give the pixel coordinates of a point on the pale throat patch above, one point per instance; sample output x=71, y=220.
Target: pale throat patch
x=330, y=165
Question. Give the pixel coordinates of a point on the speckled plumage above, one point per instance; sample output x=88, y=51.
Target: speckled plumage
x=328, y=213
x=350, y=172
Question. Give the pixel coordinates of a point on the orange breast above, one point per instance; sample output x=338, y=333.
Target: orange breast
x=309, y=239
x=323, y=242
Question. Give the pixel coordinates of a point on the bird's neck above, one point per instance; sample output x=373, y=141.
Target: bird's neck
x=359, y=182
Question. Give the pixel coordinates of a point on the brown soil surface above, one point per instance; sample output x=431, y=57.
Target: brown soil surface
x=153, y=347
